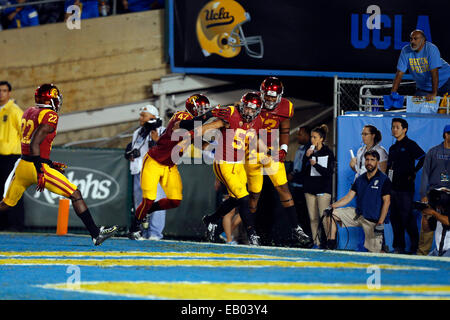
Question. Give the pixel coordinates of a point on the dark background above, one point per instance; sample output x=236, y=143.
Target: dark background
x=311, y=36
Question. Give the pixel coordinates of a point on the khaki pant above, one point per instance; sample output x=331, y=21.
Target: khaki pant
x=316, y=205
x=347, y=217
x=425, y=239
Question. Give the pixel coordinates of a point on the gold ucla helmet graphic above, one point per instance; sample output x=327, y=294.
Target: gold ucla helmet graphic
x=219, y=30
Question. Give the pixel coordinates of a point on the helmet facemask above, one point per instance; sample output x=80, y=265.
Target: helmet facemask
x=250, y=106
x=203, y=108
x=270, y=104
x=246, y=42
x=271, y=90
x=48, y=96
x=249, y=111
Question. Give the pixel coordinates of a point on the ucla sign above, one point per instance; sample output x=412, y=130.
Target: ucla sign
x=347, y=38
x=390, y=26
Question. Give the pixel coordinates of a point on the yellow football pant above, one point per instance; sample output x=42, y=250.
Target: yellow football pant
x=275, y=170
x=233, y=176
x=168, y=177
x=24, y=175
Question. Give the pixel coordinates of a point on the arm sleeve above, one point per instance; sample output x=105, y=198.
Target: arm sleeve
x=354, y=188
x=419, y=155
x=33, y=18
x=389, y=159
x=402, y=64
x=289, y=167
x=435, y=58
x=383, y=154
x=425, y=175
x=189, y=124
x=18, y=121
x=306, y=167
x=328, y=171
x=386, y=189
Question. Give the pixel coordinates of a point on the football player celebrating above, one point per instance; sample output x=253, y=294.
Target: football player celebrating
x=39, y=125
x=239, y=130
x=159, y=166
x=276, y=114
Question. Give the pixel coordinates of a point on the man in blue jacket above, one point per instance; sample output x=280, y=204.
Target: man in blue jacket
x=372, y=190
x=20, y=17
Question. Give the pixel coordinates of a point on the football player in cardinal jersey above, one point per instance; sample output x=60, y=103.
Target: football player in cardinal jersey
x=276, y=114
x=38, y=129
x=241, y=131
x=158, y=164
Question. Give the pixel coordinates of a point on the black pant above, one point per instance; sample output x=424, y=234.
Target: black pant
x=298, y=194
x=12, y=219
x=402, y=218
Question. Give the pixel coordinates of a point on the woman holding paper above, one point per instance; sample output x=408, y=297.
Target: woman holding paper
x=317, y=169
x=371, y=138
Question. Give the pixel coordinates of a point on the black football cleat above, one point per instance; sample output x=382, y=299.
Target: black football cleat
x=303, y=240
x=212, y=234
x=105, y=233
x=254, y=240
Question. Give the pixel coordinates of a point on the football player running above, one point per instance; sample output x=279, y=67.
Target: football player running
x=239, y=130
x=276, y=114
x=159, y=166
x=38, y=129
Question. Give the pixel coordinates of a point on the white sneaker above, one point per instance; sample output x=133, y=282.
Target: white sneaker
x=254, y=240
x=136, y=236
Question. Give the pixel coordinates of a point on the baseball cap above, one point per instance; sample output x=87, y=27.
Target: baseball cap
x=150, y=109
x=447, y=128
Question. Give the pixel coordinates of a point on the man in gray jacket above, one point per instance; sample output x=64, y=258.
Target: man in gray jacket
x=435, y=174
x=143, y=138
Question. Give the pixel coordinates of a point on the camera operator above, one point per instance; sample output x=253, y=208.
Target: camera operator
x=143, y=138
x=435, y=174
x=438, y=210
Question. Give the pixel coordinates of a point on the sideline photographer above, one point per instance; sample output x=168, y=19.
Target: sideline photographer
x=143, y=138
x=437, y=210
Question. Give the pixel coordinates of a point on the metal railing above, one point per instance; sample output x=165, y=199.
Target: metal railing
x=368, y=95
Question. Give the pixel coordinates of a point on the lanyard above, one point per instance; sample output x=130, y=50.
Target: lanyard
x=446, y=161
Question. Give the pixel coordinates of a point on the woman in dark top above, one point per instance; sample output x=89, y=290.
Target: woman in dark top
x=317, y=169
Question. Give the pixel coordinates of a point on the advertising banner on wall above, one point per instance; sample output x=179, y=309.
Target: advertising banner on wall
x=101, y=175
x=350, y=38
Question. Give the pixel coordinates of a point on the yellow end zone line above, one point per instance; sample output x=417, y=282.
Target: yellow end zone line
x=139, y=254
x=202, y=263
x=250, y=291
